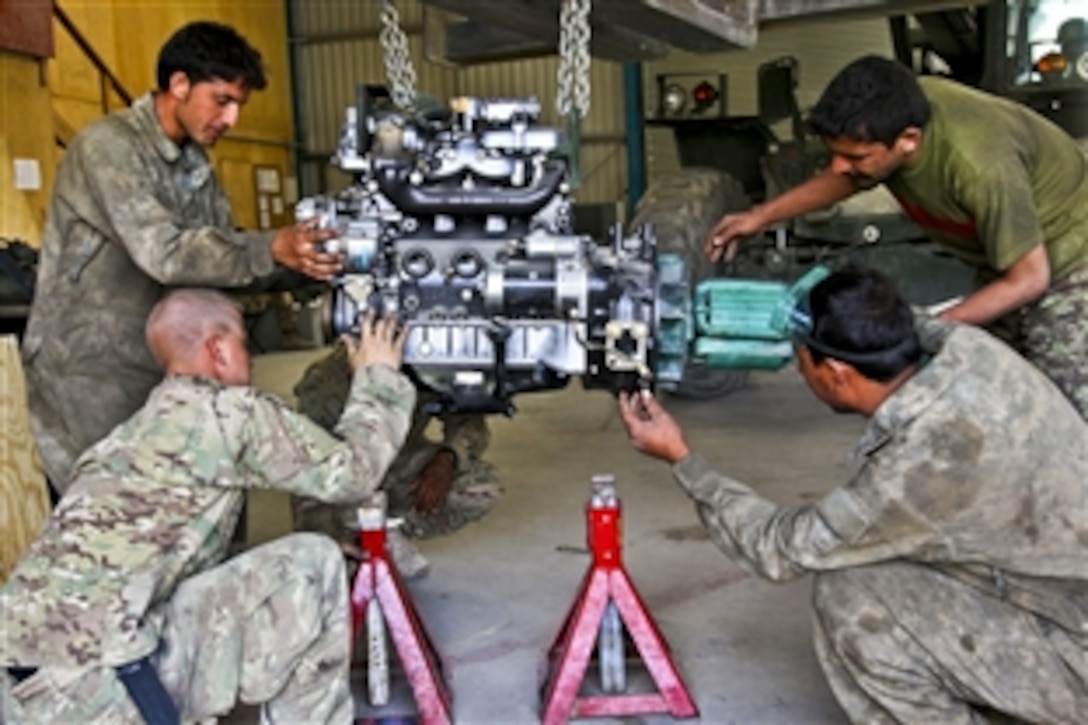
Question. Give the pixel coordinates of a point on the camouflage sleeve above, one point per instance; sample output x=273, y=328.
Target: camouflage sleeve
x=285, y=450
x=160, y=241
x=323, y=390
x=842, y=529
x=932, y=331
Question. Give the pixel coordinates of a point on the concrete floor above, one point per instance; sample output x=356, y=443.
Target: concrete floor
x=498, y=590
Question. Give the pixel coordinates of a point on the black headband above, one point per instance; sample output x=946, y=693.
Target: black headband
x=872, y=357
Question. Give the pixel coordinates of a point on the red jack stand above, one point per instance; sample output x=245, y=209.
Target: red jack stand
x=606, y=597
x=379, y=599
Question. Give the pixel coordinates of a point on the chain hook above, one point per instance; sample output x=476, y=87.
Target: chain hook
x=397, y=57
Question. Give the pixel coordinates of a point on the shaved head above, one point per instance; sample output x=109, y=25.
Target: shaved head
x=183, y=321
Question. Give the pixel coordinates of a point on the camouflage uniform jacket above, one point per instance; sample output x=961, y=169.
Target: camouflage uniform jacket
x=131, y=214
x=157, y=500
x=976, y=465
x=324, y=387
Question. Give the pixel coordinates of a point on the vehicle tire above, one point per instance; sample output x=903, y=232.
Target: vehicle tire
x=682, y=209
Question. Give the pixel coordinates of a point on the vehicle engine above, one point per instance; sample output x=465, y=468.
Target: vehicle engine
x=460, y=222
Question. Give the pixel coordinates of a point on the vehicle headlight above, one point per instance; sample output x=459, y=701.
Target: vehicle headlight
x=676, y=98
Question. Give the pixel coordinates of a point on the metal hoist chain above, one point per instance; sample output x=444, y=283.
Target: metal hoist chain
x=572, y=76
x=572, y=95
x=398, y=60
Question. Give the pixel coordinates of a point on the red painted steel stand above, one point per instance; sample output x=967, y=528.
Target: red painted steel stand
x=607, y=582
x=378, y=579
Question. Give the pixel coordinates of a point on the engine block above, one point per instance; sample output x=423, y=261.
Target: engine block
x=460, y=222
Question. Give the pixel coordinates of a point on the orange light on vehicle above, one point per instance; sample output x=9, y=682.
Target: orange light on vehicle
x=1052, y=63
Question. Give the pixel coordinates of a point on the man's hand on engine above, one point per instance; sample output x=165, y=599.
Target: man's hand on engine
x=650, y=428
x=381, y=341
x=724, y=239
x=299, y=248
x=433, y=483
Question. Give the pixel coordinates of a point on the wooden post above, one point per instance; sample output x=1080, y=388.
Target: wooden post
x=24, y=497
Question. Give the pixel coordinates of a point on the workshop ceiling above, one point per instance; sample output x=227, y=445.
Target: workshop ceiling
x=638, y=30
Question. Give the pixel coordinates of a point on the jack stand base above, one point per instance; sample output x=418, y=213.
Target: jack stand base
x=378, y=593
x=607, y=583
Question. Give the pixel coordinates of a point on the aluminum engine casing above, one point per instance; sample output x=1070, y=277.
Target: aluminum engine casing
x=461, y=224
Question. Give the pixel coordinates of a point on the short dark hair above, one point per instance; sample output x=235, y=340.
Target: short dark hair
x=860, y=318
x=207, y=51
x=872, y=99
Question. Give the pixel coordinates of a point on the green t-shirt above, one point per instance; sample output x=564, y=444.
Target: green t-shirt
x=995, y=179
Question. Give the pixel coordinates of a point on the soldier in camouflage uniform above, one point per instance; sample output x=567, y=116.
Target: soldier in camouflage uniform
x=128, y=567
x=434, y=488
x=136, y=209
x=951, y=569
x=997, y=185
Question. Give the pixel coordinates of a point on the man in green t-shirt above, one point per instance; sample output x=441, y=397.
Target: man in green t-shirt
x=995, y=183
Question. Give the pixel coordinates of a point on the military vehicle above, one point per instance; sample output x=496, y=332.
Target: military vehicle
x=1033, y=51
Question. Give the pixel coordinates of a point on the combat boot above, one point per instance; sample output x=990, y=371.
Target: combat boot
x=409, y=562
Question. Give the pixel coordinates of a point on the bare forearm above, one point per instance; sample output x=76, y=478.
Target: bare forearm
x=989, y=303
x=819, y=192
x=1025, y=281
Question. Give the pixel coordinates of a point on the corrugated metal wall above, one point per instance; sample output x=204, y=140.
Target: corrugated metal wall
x=336, y=48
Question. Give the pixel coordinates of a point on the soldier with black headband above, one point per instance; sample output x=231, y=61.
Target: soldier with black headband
x=951, y=568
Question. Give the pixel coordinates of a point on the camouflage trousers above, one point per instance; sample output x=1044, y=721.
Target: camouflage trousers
x=268, y=627
x=1054, y=336
x=322, y=393
x=474, y=492
x=906, y=643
